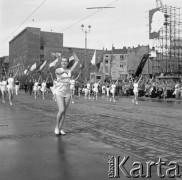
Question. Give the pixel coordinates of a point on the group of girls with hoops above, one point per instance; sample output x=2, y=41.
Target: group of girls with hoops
x=107, y=89
x=40, y=86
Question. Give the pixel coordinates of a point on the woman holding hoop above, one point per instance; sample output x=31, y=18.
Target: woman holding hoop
x=62, y=91
x=43, y=87
x=135, y=90
x=35, y=87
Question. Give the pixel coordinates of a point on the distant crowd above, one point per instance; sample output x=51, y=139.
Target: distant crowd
x=153, y=88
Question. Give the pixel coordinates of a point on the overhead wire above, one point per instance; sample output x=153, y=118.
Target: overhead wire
x=34, y=11
x=64, y=29
x=87, y=17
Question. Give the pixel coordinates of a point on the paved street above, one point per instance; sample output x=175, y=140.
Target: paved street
x=95, y=130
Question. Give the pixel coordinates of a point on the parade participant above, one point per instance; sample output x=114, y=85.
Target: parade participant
x=79, y=90
x=96, y=89
x=103, y=90
x=10, y=86
x=85, y=90
x=3, y=88
x=113, y=90
x=135, y=90
x=35, y=88
x=0, y=88
x=30, y=86
x=43, y=87
x=88, y=90
x=26, y=87
x=107, y=90
x=62, y=90
x=39, y=85
x=72, y=86
x=17, y=86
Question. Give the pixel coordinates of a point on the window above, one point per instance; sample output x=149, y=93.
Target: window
x=106, y=61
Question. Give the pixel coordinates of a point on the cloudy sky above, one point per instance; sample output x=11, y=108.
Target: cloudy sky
x=124, y=25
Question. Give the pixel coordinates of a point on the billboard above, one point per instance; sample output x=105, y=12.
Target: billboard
x=156, y=22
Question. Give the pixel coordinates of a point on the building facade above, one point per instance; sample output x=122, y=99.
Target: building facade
x=35, y=46
x=4, y=65
x=117, y=63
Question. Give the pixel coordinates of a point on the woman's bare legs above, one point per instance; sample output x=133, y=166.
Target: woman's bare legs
x=62, y=103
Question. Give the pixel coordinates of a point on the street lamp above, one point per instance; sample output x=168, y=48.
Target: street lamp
x=85, y=30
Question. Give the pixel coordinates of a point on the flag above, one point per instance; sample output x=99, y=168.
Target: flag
x=71, y=61
x=58, y=54
x=26, y=71
x=93, y=61
x=43, y=65
x=33, y=67
x=53, y=55
x=52, y=64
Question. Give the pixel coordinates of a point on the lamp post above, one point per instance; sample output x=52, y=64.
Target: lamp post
x=85, y=30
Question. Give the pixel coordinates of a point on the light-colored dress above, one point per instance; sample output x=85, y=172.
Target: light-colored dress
x=10, y=85
x=113, y=88
x=72, y=84
x=135, y=85
x=62, y=87
x=3, y=85
x=43, y=88
x=35, y=88
x=96, y=87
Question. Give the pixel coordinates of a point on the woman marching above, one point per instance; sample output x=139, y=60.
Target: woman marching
x=35, y=87
x=135, y=90
x=10, y=86
x=62, y=90
x=3, y=88
x=17, y=86
x=113, y=90
x=43, y=88
x=96, y=89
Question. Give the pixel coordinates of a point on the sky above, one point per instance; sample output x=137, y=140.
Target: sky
x=124, y=25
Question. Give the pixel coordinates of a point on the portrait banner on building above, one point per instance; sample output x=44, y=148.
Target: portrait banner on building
x=156, y=22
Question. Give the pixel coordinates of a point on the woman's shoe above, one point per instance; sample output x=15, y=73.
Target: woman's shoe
x=62, y=132
x=56, y=131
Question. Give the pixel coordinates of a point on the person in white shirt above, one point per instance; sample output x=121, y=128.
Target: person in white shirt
x=3, y=88
x=17, y=86
x=35, y=87
x=113, y=90
x=43, y=87
x=63, y=91
x=103, y=90
x=96, y=89
x=87, y=94
x=135, y=90
x=10, y=86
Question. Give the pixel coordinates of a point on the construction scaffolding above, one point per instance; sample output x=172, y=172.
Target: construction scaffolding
x=169, y=43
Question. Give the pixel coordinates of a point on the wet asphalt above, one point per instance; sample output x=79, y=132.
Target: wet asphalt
x=96, y=130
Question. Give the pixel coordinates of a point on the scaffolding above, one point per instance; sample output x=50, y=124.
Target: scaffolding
x=169, y=43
